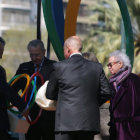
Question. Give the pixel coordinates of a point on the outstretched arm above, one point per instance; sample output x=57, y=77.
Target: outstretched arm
x=105, y=89
x=52, y=88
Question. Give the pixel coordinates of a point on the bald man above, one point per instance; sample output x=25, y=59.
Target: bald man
x=77, y=84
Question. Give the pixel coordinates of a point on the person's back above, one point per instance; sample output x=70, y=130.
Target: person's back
x=77, y=84
x=78, y=93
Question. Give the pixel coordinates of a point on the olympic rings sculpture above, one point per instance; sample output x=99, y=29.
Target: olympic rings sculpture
x=40, y=111
x=16, y=78
x=33, y=92
x=12, y=82
x=31, y=101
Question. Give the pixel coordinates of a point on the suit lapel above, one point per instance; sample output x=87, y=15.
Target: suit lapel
x=31, y=68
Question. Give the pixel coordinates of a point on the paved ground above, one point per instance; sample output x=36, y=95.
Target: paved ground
x=104, y=119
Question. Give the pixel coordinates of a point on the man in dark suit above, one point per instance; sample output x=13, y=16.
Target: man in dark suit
x=44, y=128
x=7, y=94
x=77, y=84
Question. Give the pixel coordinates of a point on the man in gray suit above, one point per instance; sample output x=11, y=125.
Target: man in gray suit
x=78, y=85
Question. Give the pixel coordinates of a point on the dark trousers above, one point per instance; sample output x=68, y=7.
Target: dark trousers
x=79, y=135
x=36, y=133
x=4, y=135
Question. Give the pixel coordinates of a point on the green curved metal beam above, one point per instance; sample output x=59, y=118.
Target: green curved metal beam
x=128, y=29
x=50, y=25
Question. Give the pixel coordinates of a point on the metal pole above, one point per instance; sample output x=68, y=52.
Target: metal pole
x=48, y=47
x=38, y=19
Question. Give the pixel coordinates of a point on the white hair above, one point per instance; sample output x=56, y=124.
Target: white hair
x=120, y=56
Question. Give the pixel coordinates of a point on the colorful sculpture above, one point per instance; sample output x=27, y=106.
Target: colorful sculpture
x=58, y=30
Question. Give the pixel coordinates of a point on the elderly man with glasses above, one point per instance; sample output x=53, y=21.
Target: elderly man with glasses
x=125, y=104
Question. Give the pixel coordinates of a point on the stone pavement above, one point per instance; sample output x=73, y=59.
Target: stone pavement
x=104, y=119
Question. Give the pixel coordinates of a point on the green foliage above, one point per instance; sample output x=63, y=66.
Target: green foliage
x=136, y=68
x=105, y=37
x=134, y=7
x=18, y=39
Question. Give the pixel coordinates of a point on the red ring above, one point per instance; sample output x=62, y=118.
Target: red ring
x=36, y=119
x=35, y=74
x=40, y=111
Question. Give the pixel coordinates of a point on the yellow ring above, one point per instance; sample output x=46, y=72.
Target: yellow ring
x=28, y=80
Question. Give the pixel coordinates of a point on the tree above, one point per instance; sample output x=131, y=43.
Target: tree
x=105, y=37
x=134, y=7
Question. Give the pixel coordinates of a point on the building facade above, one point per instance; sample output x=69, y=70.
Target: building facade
x=16, y=13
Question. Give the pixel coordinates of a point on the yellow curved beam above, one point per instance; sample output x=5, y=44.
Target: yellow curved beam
x=28, y=79
x=71, y=18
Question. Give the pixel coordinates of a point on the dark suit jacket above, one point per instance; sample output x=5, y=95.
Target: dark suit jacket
x=47, y=118
x=7, y=94
x=77, y=84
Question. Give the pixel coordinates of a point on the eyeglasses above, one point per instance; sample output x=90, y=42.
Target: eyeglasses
x=35, y=55
x=112, y=63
